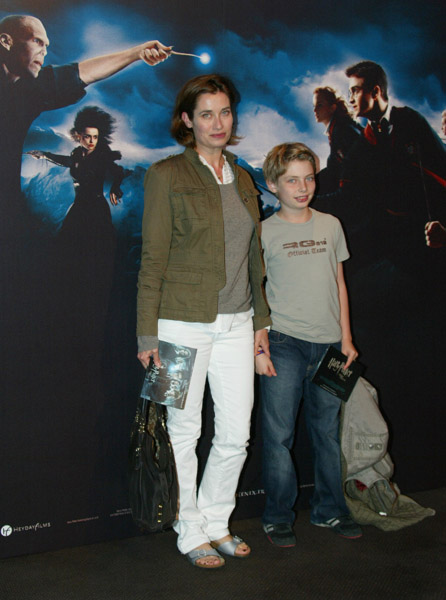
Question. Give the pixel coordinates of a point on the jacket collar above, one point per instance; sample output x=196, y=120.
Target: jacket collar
x=192, y=156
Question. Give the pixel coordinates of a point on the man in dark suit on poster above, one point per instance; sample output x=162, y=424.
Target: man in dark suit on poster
x=392, y=201
x=399, y=156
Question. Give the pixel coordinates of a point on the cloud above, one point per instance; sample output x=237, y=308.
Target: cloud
x=262, y=128
x=101, y=37
x=134, y=153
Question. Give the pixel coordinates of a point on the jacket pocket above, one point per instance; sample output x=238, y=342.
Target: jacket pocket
x=181, y=291
x=176, y=276
x=189, y=203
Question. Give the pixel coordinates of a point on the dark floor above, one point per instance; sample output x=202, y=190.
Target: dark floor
x=407, y=564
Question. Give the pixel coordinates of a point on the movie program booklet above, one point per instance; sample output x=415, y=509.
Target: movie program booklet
x=331, y=375
x=169, y=383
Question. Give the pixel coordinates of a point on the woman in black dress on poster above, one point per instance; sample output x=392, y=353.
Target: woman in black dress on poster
x=86, y=241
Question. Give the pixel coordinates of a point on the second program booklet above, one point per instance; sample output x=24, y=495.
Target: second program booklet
x=332, y=377
x=169, y=383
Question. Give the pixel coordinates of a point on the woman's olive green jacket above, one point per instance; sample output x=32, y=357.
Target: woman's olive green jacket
x=183, y=255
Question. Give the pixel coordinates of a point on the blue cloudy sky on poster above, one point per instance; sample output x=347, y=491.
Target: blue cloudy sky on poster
x=275, y=52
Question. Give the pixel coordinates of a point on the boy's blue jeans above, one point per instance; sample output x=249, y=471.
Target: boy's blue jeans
x=295, y=362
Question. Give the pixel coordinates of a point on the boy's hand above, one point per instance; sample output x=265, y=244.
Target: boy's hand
x=261, y=342
x=264, y=366
x=350, y=352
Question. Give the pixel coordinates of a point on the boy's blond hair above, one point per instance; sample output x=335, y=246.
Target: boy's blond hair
x=278, y=159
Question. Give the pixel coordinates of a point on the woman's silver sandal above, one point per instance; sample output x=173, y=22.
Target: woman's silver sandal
x=230, y=547
x=194, y=555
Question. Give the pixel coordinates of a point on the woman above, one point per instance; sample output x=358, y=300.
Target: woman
x=86, y=241
x=332, y=110
x=90, y=163
x=199, y=286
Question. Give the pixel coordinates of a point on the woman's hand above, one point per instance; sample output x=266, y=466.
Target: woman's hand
x=115, y=194
x=115, y=198
x=145, y=355
x=36, y=154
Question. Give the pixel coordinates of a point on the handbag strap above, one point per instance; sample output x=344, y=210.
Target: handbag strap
x=142, y=413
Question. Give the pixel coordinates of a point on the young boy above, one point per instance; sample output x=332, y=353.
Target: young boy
x=306, y=291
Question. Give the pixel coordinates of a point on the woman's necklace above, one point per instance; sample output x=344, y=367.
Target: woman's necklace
x=219, y=172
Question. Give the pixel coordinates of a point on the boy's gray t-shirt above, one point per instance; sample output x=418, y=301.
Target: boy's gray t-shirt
x=301, y=262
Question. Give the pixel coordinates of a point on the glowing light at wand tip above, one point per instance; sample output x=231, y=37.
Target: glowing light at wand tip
x=204, y=57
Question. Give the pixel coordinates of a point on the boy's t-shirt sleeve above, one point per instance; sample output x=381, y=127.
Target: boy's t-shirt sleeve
x=342, y=252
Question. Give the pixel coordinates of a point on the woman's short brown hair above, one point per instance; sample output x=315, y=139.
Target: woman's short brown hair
x=187, y=100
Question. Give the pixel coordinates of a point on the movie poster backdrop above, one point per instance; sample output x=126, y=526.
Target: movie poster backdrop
x=69, y=373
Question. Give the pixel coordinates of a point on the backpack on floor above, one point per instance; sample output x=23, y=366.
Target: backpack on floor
x=371, y=496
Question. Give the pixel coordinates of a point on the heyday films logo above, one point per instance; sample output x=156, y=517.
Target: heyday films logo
x=7, y=530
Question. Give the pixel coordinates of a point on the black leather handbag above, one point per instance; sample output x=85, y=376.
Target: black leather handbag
x=153, y=483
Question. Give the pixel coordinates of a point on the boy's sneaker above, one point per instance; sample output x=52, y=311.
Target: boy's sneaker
x=343, y=526
x=280, y=534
